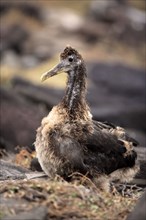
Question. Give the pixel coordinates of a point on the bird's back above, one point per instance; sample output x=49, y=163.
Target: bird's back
x=82, y=146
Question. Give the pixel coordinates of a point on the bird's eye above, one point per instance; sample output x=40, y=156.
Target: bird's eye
x=70, y=59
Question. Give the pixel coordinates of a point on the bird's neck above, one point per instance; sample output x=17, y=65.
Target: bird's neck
x=75, y=97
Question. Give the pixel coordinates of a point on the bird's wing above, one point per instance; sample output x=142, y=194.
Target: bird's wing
x=106, y=152
x=115, y=130
x=101, y=141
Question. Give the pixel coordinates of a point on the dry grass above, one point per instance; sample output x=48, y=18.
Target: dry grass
x=68, y=200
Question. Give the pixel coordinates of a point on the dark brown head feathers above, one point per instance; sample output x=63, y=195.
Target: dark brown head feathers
x=68, y=51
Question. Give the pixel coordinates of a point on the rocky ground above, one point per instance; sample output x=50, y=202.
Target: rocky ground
x=111, y=38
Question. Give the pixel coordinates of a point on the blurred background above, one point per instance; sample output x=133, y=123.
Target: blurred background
x=110, y=35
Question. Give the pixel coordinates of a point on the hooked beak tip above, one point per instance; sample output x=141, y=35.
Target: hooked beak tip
x=43, y=78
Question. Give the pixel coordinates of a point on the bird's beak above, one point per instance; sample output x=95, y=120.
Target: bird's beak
x=54, y=71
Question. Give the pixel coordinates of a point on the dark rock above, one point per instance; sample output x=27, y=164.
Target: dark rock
x=5, y=145
x=13, y=38
x=141, y=156
x=11, y=171
x=120, y=94
x=35, y=165
x=37, y=94
x=137, y=135
x=27, y=8
x=19, y=120
x=37, y=213
x=142, y=173
x=30, y=9
x=139, y=211
x=105, y=11
x=123, y=21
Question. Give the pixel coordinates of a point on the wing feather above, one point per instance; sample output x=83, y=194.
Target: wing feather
x=116, y=130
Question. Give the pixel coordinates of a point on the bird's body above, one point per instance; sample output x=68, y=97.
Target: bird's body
x=69, y=140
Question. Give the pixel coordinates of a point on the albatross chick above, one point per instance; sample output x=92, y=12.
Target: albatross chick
x=69, y=140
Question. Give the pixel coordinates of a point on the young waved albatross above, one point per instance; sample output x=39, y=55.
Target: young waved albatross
x=68, y=140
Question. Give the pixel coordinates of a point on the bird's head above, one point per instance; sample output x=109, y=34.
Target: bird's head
x=69, y=60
